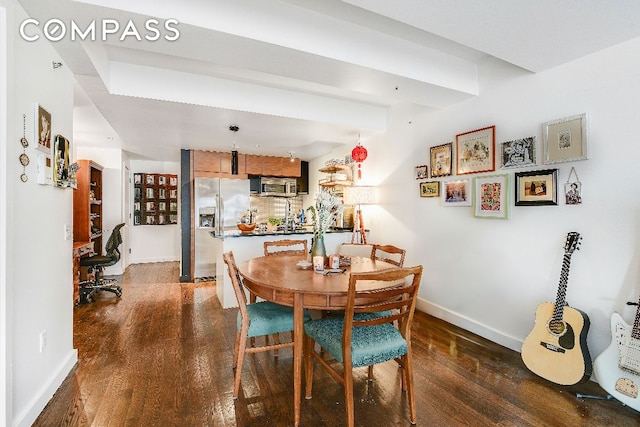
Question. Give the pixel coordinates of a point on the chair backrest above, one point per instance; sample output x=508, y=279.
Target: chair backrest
x=300, y=247
x=396, y=295
x=388, y=253
x=236, y=281
x=115, y=240
x=351, y=249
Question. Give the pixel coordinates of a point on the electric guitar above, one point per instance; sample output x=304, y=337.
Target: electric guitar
x=617, y=368
x=556, y=348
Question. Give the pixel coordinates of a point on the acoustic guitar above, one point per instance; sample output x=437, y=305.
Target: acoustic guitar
x=556, y=348
x=617, y=368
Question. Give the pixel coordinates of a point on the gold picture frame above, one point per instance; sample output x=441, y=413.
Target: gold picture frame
x=430, y=189
x=441, y=158
x=565, y=140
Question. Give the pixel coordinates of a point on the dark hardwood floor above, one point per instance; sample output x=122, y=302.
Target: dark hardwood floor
x=161, y=356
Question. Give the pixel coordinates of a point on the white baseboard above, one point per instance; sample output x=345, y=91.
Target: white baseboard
x=469, y=324
x=148, y=260
x=40, y=400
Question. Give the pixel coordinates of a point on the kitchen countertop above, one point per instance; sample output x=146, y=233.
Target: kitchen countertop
x=306, y=230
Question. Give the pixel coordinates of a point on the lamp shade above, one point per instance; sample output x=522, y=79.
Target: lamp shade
x=359, y=195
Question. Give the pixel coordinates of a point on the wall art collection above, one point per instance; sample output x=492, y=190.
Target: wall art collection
x=477, y=152
x=155, y=199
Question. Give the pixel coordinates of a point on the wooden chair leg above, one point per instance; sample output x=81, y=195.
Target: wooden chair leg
x=235, y=350
x=348, y=394
x=408, y=374
x=241, y=352
x=276, y=340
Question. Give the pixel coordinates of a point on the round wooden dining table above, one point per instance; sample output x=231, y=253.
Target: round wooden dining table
x=279, y=279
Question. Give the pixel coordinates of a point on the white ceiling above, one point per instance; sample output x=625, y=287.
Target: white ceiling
x=303, y=75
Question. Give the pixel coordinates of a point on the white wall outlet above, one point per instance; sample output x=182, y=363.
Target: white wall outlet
x=43, y=340
x=67, y=232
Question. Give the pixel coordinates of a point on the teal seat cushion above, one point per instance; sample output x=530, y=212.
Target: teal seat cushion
x=266, y=318
x=369, y=344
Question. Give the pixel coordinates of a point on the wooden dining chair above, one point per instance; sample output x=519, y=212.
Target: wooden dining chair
x=388, y=253
x=369, y=338
x=276, y=247
x=257, y=319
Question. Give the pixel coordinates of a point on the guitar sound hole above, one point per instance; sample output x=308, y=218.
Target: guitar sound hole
x=557, y=327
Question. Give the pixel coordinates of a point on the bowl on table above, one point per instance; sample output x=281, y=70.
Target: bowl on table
x=246, y=228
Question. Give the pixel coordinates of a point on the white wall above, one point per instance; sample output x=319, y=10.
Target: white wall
x=489, y=275
x=155, y=243
x=38, y=258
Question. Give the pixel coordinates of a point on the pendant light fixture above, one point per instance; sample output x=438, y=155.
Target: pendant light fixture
x=234, y=151
x=359, y=155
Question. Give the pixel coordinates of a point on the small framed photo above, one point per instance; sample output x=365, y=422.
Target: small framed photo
x=421, y=172
x=43, y=129
x=491, y=197
x=518, y=153
x=537, y=188
x=456, y=193
x=565, y=140
x=441, y=159
x=430, y=189
x=475, y=151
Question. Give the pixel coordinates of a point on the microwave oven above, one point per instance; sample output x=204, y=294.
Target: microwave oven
x=275, y=187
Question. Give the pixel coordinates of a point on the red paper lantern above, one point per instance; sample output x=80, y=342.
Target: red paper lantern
x=359, y=154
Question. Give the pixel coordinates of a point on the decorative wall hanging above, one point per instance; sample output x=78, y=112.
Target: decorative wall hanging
x=441, y=159
x=24, y=159
x=565, y=140
x=43, y=129
x=456, y=193
x=430, y=189
x=155, y=199
x=475, y=151
x=61, y=150
x=359, y=154
x=491, y=197
x=537, y=188
x=421, y=172
x=518, y=153
x=573, y=190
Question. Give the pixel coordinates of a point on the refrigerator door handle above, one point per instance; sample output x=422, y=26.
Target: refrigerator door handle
x=220, y=219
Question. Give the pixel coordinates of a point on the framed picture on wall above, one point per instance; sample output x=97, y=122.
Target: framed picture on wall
x=43, y=129
x=441, y=159
x=421, y=172
x=475, y=151
x=518, y=153
x=565, y=140
x=430, y=189
x=537, y=188
x=456, y=193
x=491, y=197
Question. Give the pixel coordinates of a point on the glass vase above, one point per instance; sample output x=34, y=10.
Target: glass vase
x=318, y=249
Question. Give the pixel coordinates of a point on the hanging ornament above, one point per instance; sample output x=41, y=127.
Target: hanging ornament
x=24, y=159
x=359, y=154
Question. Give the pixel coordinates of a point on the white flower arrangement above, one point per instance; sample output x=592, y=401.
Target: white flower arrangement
x=327, y=208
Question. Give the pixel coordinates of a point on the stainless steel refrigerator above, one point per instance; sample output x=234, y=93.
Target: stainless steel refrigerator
x=219, y=203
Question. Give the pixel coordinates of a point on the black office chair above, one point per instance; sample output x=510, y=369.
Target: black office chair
x=96, y=263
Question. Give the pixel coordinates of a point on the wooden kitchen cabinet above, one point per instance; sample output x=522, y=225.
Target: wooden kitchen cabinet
x=271, y=166
x=253, y=164
x=291, y=168
x=207, y=162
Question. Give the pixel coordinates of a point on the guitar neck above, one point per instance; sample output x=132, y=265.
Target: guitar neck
x=635, y=333
x=558, y=310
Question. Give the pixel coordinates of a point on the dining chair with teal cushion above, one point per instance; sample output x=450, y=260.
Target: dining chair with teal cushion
x=364, y=337
x=256, y=319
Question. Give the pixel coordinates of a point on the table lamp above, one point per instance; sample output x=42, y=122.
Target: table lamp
x=357, y=196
